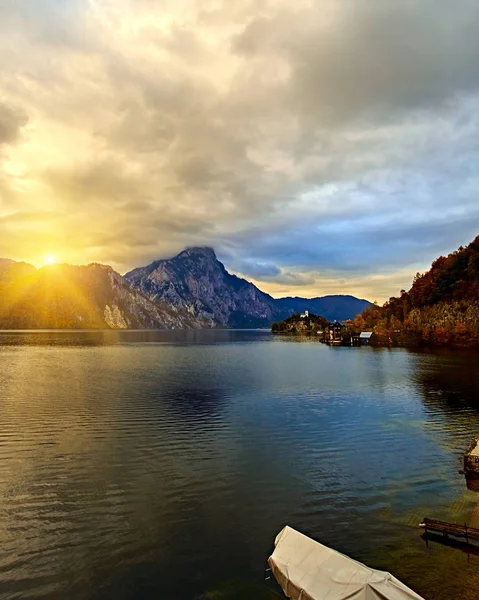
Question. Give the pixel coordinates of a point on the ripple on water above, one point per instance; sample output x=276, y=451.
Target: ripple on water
x=137, y=470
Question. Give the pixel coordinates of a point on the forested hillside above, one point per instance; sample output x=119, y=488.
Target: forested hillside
x=442, y=306
x=298, y=324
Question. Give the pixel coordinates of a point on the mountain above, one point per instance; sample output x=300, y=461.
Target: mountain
x=65, y=296
x=197, y=282
x=442, y=306
x=11, y=270
x=335, y=307
x=6, y=261
x=191, y=290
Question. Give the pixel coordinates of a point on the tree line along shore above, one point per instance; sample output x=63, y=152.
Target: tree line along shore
x=440, y=309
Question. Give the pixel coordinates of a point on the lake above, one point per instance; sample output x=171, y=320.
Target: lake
x=162, y=464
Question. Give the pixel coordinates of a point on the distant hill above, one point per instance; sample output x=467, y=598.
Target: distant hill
x=442, y=306
x=337, y=307
x=197, y=282
x=11, y=271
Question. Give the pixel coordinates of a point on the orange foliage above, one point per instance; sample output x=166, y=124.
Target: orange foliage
x=442, y=306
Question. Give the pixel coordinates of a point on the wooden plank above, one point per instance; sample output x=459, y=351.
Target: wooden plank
x=451, y=527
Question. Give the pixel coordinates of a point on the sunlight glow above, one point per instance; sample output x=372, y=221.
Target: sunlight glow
x=50, y=260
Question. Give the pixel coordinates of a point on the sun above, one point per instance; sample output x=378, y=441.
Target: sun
x=50, y=259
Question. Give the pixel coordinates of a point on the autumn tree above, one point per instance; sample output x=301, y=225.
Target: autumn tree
x=359, y=322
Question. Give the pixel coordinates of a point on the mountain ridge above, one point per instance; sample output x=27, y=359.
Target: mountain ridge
x=334, y=307
x=190, y=290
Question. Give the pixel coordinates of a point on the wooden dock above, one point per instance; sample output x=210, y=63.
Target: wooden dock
x=451, y=531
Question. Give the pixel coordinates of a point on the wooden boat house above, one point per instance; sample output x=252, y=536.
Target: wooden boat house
x=365, y=338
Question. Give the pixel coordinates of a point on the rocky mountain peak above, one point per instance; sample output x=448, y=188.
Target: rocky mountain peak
x=195, y=261
x=197, y=282
x=199, y=252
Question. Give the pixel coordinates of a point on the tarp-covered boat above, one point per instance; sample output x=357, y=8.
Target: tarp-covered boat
x=307, y=570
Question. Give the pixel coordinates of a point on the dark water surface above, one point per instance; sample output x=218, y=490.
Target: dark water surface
x=162, y=464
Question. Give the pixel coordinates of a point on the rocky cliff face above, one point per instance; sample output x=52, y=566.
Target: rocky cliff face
x=64, y=296
x=196, y=282
x=138, y=311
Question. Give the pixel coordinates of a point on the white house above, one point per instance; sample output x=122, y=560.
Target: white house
x=305, y=314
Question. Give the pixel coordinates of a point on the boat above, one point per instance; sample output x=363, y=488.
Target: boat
x=471, y=459
x=308, y=570
x=451, y=531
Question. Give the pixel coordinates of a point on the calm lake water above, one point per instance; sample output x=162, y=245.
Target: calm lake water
x=162, y=464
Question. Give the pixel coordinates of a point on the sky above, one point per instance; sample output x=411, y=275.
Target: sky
x=320, y=147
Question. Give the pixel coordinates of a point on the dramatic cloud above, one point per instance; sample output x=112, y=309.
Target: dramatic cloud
x=11, y=123
x=319, y=146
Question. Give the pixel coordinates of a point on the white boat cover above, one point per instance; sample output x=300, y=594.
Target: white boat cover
x=307, y=570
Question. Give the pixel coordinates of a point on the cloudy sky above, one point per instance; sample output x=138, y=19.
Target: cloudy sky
x=327, y=146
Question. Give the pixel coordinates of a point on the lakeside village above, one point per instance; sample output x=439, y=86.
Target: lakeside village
x=335, y=333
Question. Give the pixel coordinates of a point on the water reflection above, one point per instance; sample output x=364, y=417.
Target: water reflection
x=472, y=484
x=449, y=379
x=449, y=543
x=110, y=337
x=195, y=404
x=161, y=464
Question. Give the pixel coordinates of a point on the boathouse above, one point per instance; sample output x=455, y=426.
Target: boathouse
x=365, y=338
